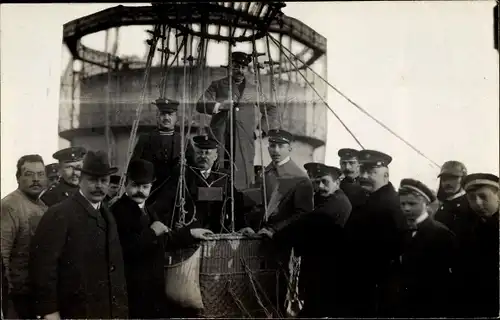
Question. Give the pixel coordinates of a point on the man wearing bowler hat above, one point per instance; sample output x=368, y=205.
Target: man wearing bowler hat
x=162, y=146
x=76, y=264
x=375, y=233
x=114, y=184
x=318, y=238
x=52, y=171
x=247, y=116
x=144, y=240
x=70, y=162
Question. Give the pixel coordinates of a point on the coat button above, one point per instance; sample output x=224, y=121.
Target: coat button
x=112, y=268
x=237, y=109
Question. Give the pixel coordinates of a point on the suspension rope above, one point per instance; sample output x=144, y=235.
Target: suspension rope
x=361, y=109
x=135, y=125
x=231, y=129
x=317, y=93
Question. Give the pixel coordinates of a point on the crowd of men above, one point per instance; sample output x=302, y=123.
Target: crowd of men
x=74, y=246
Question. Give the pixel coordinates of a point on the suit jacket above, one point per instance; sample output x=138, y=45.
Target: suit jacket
x=295, y=192
x=76, y=262
x=213, y=215
x=246, y=121
x=144, y=257
x=161, y=150
x=58, y=192
x=426, y=266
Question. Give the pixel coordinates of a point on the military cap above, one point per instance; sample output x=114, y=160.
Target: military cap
x=480, y=179
x=453, y=168
x=312, y=168
x=205, y=142
x=418, y=187
x=52, y=169
x=317, y=170
x=373, y=158
x=114, y=179
x=70, y=154
x=347, y=153
x=141, y=171
x=166, y=105
x=241, y=57
x=280, y=136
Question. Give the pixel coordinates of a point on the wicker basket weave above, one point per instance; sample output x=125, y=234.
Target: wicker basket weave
x=236, y=278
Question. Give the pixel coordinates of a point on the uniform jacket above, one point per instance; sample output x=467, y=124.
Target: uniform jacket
x=480, y=274
x=374, y=236
x=161, y=150
x=356, y=194
x=457, y=216
x=295, y=190
x=426, y=266
x=318, y=238
x=20, y=218
x=76, y=263
x=212, y=215
x=246, y=121
x=144, y=257
x=58, y=192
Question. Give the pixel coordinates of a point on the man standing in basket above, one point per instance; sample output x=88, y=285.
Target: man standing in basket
x=76, y=263
x=162, y=146
x=217, y=103
x=144, y=240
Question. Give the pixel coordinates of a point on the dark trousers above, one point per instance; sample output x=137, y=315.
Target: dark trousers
x=23, y=306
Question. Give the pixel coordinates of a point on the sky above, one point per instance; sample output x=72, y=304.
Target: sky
x=428, y=70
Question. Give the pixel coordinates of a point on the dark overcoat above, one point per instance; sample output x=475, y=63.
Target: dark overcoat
x=374, y=235
x=58, y=192
x=356, y=194
x=425, y=274
x=144, y=257
x=317, y=238
x=76, y=263
x=163, y=151
x=247, y=118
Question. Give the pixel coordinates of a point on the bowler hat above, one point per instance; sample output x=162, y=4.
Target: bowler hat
x=141, y=171
x=96, y=163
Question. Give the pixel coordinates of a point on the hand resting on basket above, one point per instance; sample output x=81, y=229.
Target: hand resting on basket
x=159, y=228
x=200, y=233
x=248, y=232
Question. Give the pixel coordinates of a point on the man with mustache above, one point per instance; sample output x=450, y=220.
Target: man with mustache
x=247, y=116
x=70, y=163
x=76, y=263
x=21, y=212
x=162, y=146
x=318, y=238
x=427, y=260
x=144, y=240
x=374, y=233
x=349, y=164
x=479, y=274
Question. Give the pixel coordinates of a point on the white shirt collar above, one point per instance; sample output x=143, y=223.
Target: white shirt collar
x=422, y=217
x=205, y=173
x=96, y=206
x=282, y=162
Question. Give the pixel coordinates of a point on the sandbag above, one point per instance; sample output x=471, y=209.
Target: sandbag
x=182, y=282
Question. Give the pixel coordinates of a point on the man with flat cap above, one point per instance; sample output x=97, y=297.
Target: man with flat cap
x=76, y=263
x=70, y=163
x=248, y=116
x=375, y=233
x=144, y=240
x=311, y=169
x=349, y=164
x=427, y=260
x=318, y=238
x=480, y=273
x=162, y=146
x=52, y=171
